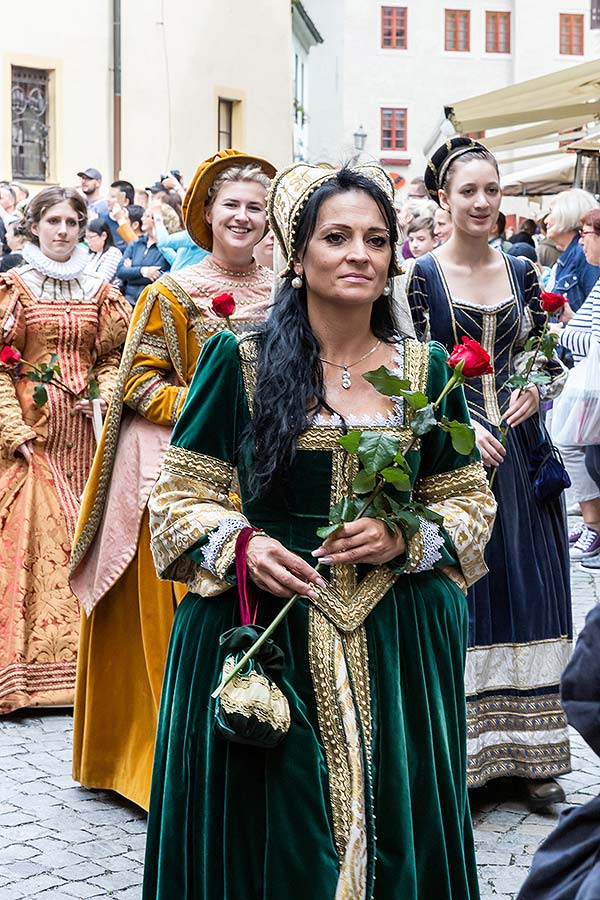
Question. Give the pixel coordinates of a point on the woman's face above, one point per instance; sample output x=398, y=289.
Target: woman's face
x=552, y=229
x=95, y=241
x=347, y=259
x=443, y=225
x=148, y=223
x=13, y=241
x=473, y=197
x=238, y=217
x=263, y=251
x=590, y=241
x=58, y=231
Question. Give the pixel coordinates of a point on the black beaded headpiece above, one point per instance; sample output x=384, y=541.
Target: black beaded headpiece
x=443, y=157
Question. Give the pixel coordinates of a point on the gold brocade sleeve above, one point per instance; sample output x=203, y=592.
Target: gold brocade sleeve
x=190, y=500
x=114, y=313
x=464, y=499
x=13, y=429
x=163, y=363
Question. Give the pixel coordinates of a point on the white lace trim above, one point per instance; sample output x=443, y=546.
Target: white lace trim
x=392, y=418
x=217, y=538
x=433, y=542
x=51, y=268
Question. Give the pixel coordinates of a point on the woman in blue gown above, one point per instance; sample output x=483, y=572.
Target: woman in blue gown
x=520, y=613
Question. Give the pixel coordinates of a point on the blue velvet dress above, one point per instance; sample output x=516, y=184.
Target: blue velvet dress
x=520, y=613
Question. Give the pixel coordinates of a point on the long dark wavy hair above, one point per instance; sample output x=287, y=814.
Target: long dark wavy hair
x=290, y=386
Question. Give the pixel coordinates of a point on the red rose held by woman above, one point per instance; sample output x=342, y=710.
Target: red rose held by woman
x=475, y=360
x=9, y=356
x=551, y=303
x=224, y=305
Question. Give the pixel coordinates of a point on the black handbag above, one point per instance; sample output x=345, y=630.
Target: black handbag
x=548, y=475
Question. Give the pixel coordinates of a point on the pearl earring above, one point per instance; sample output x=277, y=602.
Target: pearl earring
x=387, y=291
x=297, y=282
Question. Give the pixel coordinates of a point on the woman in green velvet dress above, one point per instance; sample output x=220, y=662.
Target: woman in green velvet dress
x=366, y=796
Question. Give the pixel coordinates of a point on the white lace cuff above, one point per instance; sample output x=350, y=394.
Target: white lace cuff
x=424, y=548
x=223, y=537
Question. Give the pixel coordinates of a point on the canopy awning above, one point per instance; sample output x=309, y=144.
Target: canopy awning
x=549, y=177
x=589, y=144
x=539, y=108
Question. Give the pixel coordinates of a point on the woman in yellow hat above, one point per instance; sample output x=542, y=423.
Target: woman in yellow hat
x=126, y=611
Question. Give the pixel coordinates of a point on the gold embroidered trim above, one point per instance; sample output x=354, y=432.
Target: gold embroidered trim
x=344, y=469
x=200, y=466
x=155, y=346
x=226, y=555
x=248, y=349
x=501, y=713
x=144, y=394
x=253, y=695
x=321, y=652
x=435, y=488
x=348, y=611
x=415, y=552
x=325, y=437
x=194, y=313
x=506, y=760
x=178, y=402
x=357, y=660
x=416, y=367
x=111, y=432
x=166, y=314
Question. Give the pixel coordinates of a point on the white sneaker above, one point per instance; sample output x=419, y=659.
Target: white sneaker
x=587, y=545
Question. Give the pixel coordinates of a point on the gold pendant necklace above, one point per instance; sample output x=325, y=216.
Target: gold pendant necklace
x=346, y=380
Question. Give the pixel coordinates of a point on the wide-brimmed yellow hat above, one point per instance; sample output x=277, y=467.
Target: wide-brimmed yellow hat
x=207, y=172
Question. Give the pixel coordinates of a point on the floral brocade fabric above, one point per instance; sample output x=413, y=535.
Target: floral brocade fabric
x=84, y=322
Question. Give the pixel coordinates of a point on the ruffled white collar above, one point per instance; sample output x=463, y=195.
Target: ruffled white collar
x=51, y=268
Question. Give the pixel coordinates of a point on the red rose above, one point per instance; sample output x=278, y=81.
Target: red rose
x=224, y=305
x=9, y=356
x=475, y=360
x=551, y=303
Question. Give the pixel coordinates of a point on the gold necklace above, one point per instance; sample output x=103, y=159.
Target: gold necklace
x=346, y=380
x=239, y=274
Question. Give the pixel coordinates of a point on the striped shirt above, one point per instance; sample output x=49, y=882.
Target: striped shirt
x=584, y=326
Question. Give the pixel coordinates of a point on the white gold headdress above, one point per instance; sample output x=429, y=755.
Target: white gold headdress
x=291, y=188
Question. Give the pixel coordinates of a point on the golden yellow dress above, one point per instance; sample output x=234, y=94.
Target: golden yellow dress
x=127, y=612
x=83, y=321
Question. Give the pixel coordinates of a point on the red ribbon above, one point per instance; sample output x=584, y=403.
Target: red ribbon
x=246, y=588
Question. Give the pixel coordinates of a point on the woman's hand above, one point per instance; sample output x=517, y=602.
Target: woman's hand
x=25, y=450
x=278, y=571
x=363, y=541
x=492, y=451
x=566, y=314
x=522, y=405
x=86, y=409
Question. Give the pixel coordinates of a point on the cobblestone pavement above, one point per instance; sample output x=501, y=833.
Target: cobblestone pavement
x=506, y=833
x=60, y=841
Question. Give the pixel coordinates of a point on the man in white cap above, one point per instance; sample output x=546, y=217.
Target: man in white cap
x=91, y=179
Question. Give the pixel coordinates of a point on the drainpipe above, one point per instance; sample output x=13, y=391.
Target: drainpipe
x=116, y=89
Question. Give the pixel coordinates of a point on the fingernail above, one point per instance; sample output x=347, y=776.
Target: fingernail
x=326, y=560
x=318, y=552
x=313, y=595
x=320, y=582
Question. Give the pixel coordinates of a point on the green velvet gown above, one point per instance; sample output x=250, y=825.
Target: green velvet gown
x=366, y=796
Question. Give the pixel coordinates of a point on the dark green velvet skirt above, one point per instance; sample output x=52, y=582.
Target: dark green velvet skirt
x=228, y=822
